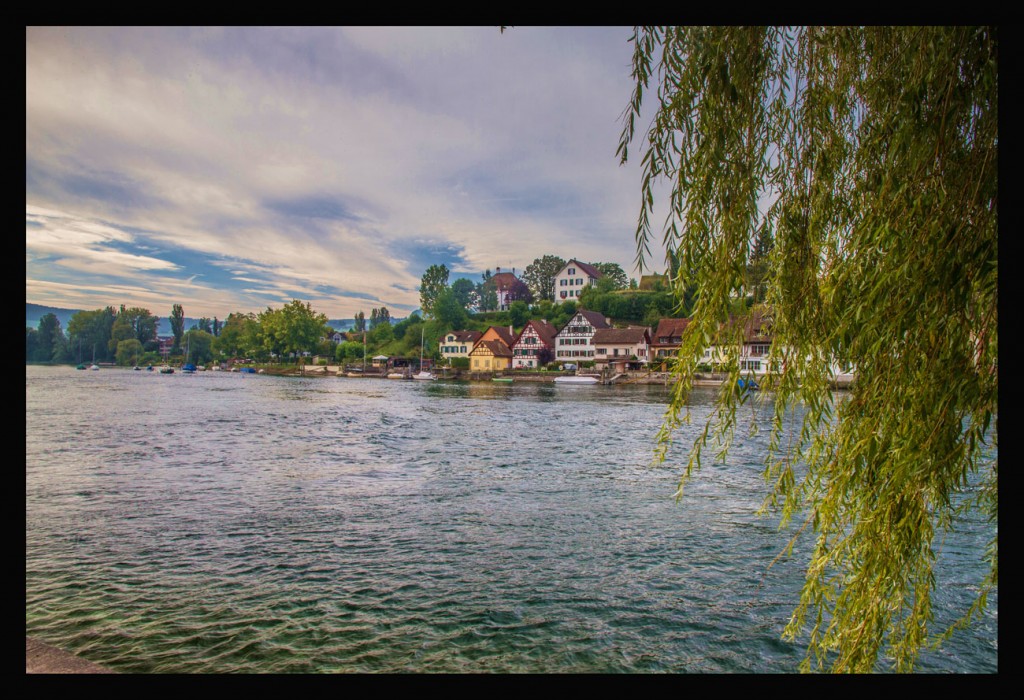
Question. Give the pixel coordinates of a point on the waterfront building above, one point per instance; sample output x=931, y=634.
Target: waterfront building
x=667, y=338
x=458, y=343
x=573, y=341
x=573, y=278
x=501, y=333
x=622, y=349
x=504, y=283
x=534, y=336
x=490, y=356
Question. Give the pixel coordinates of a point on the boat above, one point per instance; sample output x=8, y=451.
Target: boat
x=94, y=367
x=422, y=374
x=81, y=366
x=503, y=380
x=579, y=379
x=166, y=369
x=247, y=370
x=188, y=368
x=137, y=368
x=149, y=368
x=396, y=375
x=748, y=384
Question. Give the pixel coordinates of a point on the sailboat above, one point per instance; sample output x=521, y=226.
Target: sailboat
x=188, y=367
x=94, y=365
x=422, y=374
x=81, y=365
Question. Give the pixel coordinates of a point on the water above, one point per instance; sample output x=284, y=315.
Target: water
x=219, y=522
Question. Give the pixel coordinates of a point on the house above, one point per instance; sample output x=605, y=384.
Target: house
x=490, y=356
x=505, y=335
x=334, y=336
x=165, y=345
x=757, y=344
x=573, y=278
x=458, y=343
x=622, y=349
x=534, y=336
x=668, y=337
x=574, y=338
x=504, y=283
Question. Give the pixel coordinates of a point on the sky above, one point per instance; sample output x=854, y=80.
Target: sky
x=236, y=169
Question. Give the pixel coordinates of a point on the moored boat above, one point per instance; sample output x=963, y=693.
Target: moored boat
x=580, y=379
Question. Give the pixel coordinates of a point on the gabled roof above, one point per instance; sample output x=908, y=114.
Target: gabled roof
x=503, y=280
x=589, y=269
x=545, y=331
x=497, y=348
x=621, y=336
x=464, y=336
x=596, y=318
x=670, y=328
x=506, y=335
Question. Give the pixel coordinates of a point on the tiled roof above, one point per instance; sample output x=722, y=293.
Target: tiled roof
x=497, y=348
x=466, y=336
x=589, y=269
x=504, y=280
x=670, y=328
x=621, y=336
x=596, y=318
x=507, y=336
x=545, y=331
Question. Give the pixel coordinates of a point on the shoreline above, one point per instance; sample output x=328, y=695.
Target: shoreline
x=41, y=657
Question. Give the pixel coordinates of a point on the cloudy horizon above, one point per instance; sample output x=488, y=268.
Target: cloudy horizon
x=240, y=168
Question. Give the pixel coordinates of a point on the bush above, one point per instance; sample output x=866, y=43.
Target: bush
x=460, y=362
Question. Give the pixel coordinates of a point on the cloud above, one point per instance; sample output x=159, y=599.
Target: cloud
x=336, y=163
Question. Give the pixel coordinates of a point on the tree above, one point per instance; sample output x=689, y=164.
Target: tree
x=128, y=352
x=450, y=312
x=177, y=327
x=465, y=293
x=239, y=337
x=876, y=149
x=518, y=291
x=360, y=320
x=433, y=282
x=294, y=328
x=89, y=333
x=614, y=273
x=540, y=276
x=379, y=316
x=49, y=341
x=200, y=346
x=519, y=313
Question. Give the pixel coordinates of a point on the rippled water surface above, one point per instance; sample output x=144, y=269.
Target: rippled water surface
x=222, y=522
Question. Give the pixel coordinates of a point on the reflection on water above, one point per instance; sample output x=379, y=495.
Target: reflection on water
x=220, y=522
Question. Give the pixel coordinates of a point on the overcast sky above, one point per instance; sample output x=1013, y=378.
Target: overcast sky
x=240, y=168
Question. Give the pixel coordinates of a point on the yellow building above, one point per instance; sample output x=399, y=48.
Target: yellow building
x=490, y=356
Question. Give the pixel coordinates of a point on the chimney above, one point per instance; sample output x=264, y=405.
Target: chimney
x=497, y=270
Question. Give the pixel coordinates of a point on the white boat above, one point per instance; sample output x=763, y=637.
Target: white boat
x=396, y=375
x=423, y=374
x=94, y=367
x=576, y=380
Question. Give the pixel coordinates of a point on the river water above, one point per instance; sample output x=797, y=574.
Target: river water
x=220, y=522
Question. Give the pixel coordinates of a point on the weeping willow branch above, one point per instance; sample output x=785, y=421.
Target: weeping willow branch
x=870, y=156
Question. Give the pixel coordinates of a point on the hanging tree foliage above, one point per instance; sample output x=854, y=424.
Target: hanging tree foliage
x=870, y=156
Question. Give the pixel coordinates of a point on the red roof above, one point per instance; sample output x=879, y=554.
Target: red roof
x=671, y=329
x=589, y=269
x=621, y=336
x=545, y=331
x=497, y=348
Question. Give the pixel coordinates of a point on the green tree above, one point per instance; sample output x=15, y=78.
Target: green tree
x=614, y=273
x=877, y=149
x=200, y=346
x=177, y=327
x=519, y=312
x=50, y=339
x=360, y=320
x=450, y=312
x=89, y=333
x=433, y=282
x=128, y=352
x=294, y=328
x=465, y=293
x=239, y=337
x=539, y=276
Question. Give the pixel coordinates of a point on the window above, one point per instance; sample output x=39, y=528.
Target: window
x=563, y=295
x=602, y=351
x=563, y=282
x=572, y=270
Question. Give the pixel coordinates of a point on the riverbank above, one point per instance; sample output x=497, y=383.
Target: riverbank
x=44, y=658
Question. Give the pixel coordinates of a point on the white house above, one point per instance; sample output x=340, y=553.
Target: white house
x=573, y=278
x=574, y=339
x=622, y=348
